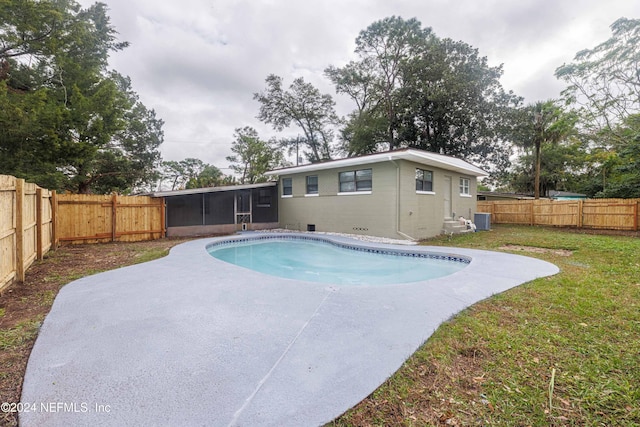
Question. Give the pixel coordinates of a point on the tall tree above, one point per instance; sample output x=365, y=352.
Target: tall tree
x=412, y=88
x=604, y=82
x=453, y=103
x=191, y=173
x=624, y=173
x=604, y=87
x=386, y=45
x=304, y=106
x=543, y=123
x=560, y=168
x=70, y=123
x=252, y=156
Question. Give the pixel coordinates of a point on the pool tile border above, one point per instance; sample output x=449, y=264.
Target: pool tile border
x=368, y=249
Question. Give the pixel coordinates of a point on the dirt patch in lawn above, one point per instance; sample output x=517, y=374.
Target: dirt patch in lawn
x=534, y=249
x=23, y=306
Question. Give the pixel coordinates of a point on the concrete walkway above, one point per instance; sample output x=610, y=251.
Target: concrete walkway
x=188, y=340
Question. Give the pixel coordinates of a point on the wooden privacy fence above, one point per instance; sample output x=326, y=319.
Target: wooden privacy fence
x=27, y=227
x=34, y=220
x=611, y=214
x=90, y=219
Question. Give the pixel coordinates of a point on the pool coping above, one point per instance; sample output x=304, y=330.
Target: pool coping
x=262, y=350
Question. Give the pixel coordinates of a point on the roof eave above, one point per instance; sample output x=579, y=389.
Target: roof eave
x=444, y=162
x=211, y=189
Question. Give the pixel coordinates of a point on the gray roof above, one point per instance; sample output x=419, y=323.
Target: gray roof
x=555, y=193
x=520, y=196
x=211, y=189
x=419, y=156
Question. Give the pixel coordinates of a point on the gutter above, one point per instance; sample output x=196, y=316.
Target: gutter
x=406, y=236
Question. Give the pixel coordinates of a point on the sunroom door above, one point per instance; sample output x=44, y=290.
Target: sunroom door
x=243, y=208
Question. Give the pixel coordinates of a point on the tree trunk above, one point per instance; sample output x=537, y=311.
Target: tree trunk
x=537, y=178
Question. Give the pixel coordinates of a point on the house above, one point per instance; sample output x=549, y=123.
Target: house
x=566, y=195
x=493, y=195
x=216, y=210
x=408, y=193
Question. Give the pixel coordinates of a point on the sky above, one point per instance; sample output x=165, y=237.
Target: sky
x=197, y=63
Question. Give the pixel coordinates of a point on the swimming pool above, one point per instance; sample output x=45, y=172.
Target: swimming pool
x=318, y=260
x=280, y=352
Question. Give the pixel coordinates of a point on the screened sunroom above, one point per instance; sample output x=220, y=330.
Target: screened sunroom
x=215, y=210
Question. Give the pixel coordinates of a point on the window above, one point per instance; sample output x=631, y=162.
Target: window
x=287, y=186
x=264, y=198
x=312, y=184
x=359, y=180
x=424, y=180
x=464, y=187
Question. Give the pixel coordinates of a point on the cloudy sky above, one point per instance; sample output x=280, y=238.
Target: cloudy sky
x=198, y=62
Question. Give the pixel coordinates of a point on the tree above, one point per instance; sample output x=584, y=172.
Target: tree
x=560, y=168
x=386, y=45
x=604, y=81
x=604, y=86
x=209, y=176
x=130, y=158
x=304, y=106
x=453, y=104
x=191, y=173
x=414, y=89
x=357, y=80
x=68, y=122
x=366, y=130
x=624, y=175
x=253, y=156
x=543, y=123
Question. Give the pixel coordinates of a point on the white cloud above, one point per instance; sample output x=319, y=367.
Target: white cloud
x=198, y=63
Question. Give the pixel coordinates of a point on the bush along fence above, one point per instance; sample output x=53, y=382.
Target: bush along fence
x=610, y=214
x=34, y=220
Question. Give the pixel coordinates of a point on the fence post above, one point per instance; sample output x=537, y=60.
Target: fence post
x=54, y=219
x=114, y=216
x=531, y=222
x=39, y=253
x=580, y=209
x=635, y=216
x=20, y=273
x=163, y=219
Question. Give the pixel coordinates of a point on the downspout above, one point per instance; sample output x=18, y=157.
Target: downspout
x=406, y=236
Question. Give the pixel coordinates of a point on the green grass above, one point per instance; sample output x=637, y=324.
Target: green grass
x=150, y=255
x=493, y=363
x=18, y=335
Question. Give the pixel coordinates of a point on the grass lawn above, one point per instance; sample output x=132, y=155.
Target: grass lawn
x=563, y=350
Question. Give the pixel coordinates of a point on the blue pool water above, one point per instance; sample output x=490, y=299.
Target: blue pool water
x=324, y=262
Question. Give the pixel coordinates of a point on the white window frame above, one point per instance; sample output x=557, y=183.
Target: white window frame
x=284, y=196
x=307, y=192
x=465, y=187
x=355, y=183
x=431, y=192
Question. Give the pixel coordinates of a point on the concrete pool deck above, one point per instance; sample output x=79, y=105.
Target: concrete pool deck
x=191, y=340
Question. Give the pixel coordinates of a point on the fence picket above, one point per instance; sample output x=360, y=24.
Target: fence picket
x=34, y=220
x=611, y=214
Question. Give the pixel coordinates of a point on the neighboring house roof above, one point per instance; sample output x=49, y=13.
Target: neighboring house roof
x=419, y=156
x=517, y=196
x=211, y=189
x=554, y=194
